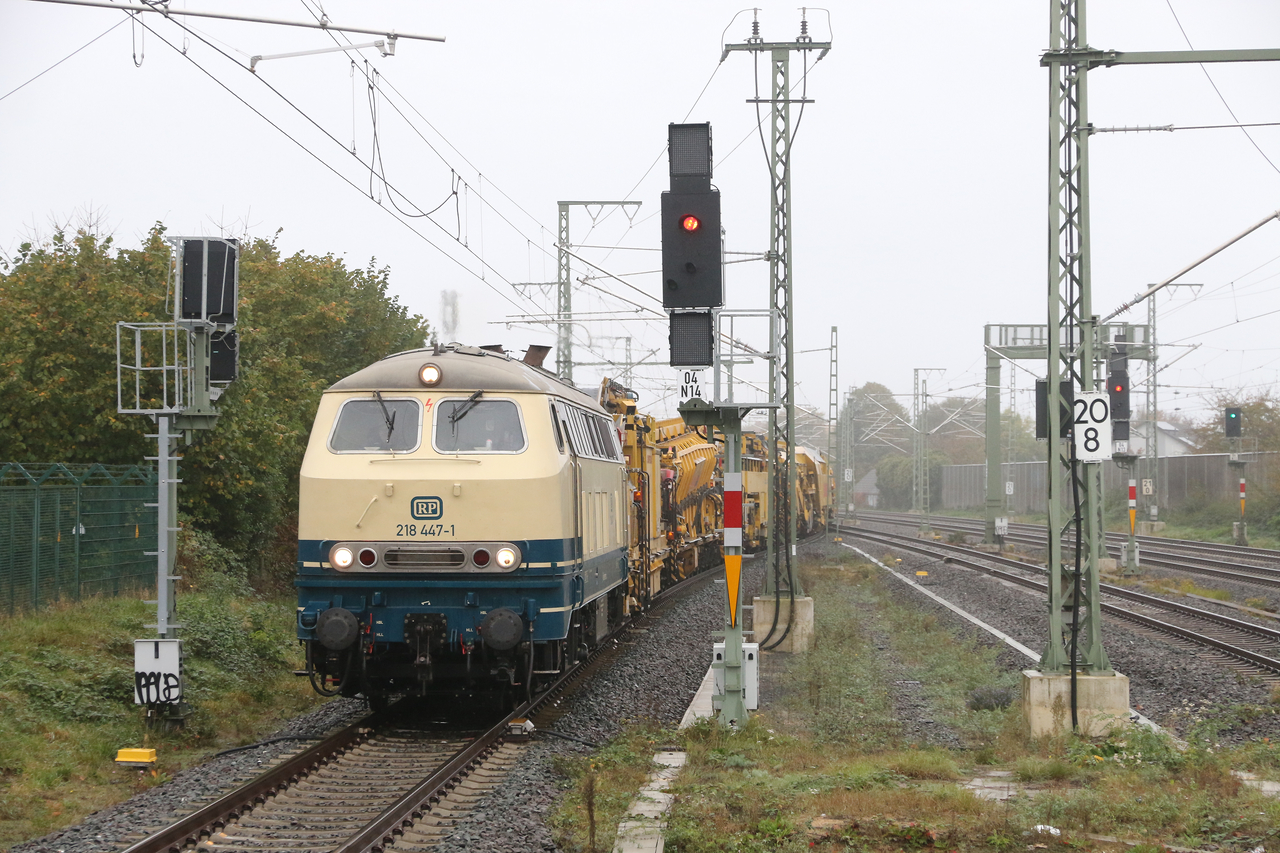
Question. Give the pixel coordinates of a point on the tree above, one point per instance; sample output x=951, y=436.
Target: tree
x=880, y=424
x=1260, y=417
x=304, y=322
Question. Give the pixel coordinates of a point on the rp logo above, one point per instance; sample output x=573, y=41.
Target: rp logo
x=426, y=508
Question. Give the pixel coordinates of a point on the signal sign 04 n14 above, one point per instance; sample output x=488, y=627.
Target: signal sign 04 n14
x=1091, y=426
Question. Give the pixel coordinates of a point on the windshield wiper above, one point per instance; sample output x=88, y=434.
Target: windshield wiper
x=461, y=412
x=388, y=416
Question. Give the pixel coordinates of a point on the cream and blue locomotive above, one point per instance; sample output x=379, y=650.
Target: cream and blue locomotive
x=463, y=527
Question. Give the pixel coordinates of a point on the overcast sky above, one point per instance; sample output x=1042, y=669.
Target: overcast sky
x=919, y=178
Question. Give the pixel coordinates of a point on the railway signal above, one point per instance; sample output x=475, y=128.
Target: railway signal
x=691, y=255
x=1233, y=422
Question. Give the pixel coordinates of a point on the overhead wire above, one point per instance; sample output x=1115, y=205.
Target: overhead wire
x=63, y=59
x=370, y=165
x=375, y=79
x=1218, y=91
x=315, y=156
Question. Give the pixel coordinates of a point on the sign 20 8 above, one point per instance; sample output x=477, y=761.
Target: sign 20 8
x=1092, y=427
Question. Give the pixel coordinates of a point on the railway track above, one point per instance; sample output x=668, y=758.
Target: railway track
x=382, y=783
x=1258, y=566
x=1246, y=647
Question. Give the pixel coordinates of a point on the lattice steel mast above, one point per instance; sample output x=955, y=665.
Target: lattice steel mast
x=1071, y=351
x=782, y=473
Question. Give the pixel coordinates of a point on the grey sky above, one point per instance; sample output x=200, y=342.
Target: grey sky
x=920, y=172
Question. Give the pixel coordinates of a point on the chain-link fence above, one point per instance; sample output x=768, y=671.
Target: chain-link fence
x=73, y=530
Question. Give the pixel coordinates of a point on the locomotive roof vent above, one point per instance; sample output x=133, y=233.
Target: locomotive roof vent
x=536, y=354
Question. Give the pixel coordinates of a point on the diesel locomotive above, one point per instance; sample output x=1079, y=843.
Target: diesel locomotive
x=472, y=525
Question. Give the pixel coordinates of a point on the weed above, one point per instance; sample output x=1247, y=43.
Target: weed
x=990, y=698
x=1000, y=841
x=1190, y=587
x=1034, y=768
x=66, y=686
x=923, y=764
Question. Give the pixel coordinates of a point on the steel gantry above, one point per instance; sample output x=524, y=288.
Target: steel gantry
x=1075, y=495
x=1030, y=342
x=782, y=472
x=920, y=486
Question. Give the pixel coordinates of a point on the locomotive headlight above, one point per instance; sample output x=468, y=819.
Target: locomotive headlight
x=429, y=374
x=342, y=557
x=506, y=557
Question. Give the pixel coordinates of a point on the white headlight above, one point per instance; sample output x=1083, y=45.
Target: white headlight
x=429, y=374
x=342, y=557
x=506, y=557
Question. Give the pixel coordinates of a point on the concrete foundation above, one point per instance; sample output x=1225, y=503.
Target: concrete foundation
x=1149, y=528
x=1107, y=565
x=799, y=638
x=1102, y=703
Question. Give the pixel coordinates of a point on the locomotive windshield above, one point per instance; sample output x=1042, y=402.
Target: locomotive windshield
x=379, y=425
x=478, y=426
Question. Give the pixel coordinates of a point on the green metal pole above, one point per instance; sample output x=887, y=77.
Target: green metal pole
x=784, y=293
x=57, y=544
x=1054, y=657
x=995, y=486
x=35, y=552
x=1071, y=324
x=564, y=298
x=79, y=527
x=733, y=709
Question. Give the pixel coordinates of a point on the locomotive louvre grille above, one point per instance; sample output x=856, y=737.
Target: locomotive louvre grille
x=421, y=558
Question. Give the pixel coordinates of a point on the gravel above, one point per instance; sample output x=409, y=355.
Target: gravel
x=655, y=679
x=191, y=788
x=1171, y=685
x=654, y=675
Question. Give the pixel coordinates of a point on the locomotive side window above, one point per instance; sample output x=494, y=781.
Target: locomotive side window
x=377, y=425
x=477, y=425
x=608, y=446
x=555, y=427
x=588, y=433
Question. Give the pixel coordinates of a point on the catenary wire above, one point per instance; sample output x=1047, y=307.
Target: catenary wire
x=322, y=161
x=63, y=59
x=1232, y=112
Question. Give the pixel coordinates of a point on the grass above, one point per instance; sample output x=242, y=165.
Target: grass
x=599, y=789
x=829, y=768
x=66, y=686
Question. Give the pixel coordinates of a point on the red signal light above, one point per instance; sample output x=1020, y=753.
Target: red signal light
x=690, y=223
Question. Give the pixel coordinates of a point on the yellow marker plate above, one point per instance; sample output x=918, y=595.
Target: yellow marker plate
x=922, y=574
x=136, y=756
x=732, y=580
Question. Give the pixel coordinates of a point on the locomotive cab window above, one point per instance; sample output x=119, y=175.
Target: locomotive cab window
x=477, y=425
x=377, y=425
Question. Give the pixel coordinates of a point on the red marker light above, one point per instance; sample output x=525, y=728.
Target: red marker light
x=690, y=223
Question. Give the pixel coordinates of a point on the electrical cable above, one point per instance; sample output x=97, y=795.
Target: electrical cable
x=375, y=83
x=1230, y=111
x=260, y=743
x=1075, y=602
x=319, y=159
x=63, y=59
